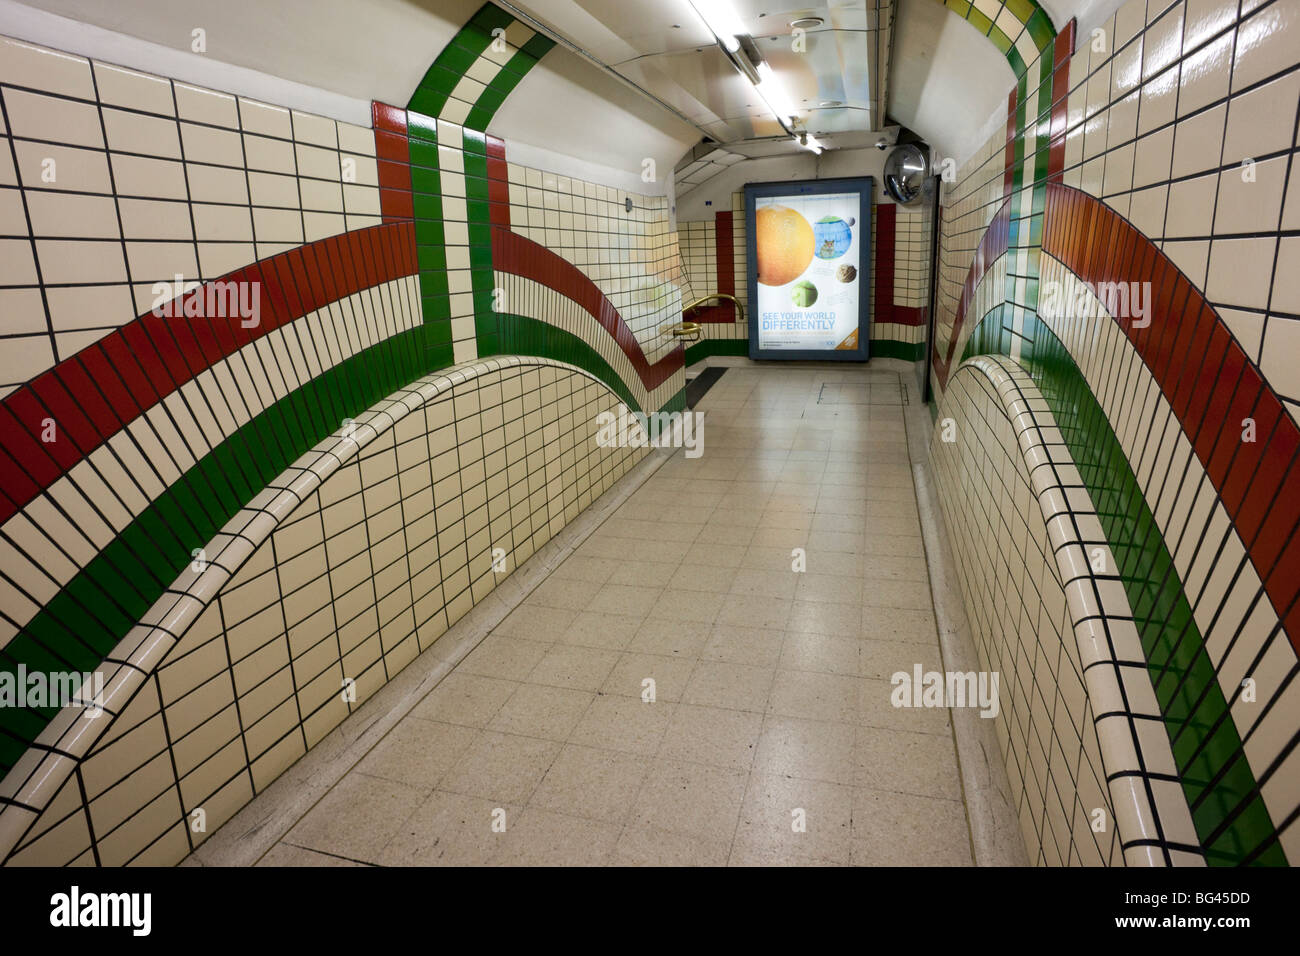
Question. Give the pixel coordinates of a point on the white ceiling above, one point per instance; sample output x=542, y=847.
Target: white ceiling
x=946, y=80
x=378, y=49
x=873, y=63
x=664, y=49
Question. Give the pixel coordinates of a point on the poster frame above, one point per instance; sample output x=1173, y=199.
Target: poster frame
x=864, y=186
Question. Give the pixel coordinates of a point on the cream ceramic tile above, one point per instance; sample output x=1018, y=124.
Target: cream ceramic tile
x=52, y=118
x=201, y=105
x=134, y=90
x=138, y=133
x=40, y=68
x=1268, y=42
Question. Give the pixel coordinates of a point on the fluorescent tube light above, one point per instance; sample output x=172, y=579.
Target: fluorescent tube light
x=773, y=94
x=810, y=142
x=721, y=20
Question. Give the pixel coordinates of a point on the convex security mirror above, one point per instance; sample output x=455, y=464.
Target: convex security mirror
x=905, y=173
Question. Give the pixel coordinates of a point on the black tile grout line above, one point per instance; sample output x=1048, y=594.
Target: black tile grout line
x=35, y=602
x=27, y=215
x=993, y=401
x=175, y=115
x=289, y=733
x=1099, y=777
x=1105, y=616
x=1027, y=696
x=1217, y=668
x=407, y=703
x=1194, y=604
x=1152, y=423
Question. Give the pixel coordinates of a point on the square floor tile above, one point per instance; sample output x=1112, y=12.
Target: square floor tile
x=711, y=735
x=690, y=799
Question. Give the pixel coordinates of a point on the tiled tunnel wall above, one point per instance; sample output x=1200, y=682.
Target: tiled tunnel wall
x=379, y=255
x=317, y=593
x=1080, y=729
x=715, y=259
x=1153, y=158
x=129, y=440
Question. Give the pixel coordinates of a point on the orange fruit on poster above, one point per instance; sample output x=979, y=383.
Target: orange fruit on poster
x=784, y=242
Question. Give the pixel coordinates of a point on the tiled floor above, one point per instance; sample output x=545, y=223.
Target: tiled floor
x=771, y=686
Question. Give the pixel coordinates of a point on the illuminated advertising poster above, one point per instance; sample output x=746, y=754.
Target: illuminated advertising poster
x=808, y=250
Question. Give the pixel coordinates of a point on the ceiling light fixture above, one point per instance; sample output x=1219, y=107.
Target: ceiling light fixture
x=810, y=142
x=744, y=55
x=721, y=20
x=773, y=94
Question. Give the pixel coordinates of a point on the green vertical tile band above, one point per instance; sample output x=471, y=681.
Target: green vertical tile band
x=95, y=611
x=1222, y=793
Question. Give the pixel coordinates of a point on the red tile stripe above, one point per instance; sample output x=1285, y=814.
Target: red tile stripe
x=393, y=158
x=513, y=254
x=907, y=315
x=1062, y=50
x=99, y=391
x=498, y=182
x=1210, y=383
x=883, y=306
x=886, y=230
x=724, y=258
x=992, y=246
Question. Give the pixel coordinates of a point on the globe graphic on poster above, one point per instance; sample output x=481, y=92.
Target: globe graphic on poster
x=831, y=237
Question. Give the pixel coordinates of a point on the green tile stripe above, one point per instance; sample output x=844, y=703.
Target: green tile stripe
x=241, y=466
x=1027, y=13
x=151, y=557
x=430, y=236
x=706, y=347
x=457, y=57
x=506, y=79
x=1205, y=739
x=890, y=348
x=523, y=335
x=426, y=104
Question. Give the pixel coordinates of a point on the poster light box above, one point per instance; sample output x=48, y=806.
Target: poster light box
x=809, y=246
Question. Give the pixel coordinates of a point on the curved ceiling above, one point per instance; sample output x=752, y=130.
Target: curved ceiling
x=376, y=50
x=946, y=80
x=915, y=60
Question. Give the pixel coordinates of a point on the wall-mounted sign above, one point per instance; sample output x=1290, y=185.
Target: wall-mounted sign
x=809, y=249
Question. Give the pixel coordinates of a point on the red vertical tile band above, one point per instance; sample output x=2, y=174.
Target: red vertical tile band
x=498, y=182
x=1209, y=382
x=721, y=312
x=725, y=254
x=1062, y=50
x=393, y=158
x=886, y=215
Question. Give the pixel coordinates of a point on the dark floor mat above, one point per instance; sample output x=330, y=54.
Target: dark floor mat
x=700, y=384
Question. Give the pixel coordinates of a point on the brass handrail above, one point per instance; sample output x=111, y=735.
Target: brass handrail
x=686, y=330
x=740, y=306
